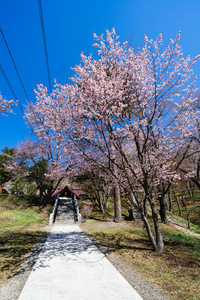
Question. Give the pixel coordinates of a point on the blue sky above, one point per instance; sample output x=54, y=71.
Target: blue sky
x=69, y=26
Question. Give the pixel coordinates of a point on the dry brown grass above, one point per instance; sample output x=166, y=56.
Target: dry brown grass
x=176, y=272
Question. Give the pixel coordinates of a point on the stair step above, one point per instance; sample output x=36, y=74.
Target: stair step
x=65, y=212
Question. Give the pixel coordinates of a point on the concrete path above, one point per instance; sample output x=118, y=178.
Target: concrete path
x=71, y=267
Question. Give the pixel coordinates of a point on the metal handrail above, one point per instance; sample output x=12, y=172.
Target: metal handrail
x=79, y=216
x=52, y=215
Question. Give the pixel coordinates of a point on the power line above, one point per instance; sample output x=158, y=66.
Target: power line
x=10, y=87
x=9, y=84
x=44, y=42
x=15, y=66
x=13, y=92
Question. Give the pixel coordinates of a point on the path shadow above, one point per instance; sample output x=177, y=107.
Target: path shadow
x=68, y=246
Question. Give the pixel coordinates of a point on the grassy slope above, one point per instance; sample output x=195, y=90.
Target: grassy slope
x=194, y=213
x=176, y=272
x=22, y=223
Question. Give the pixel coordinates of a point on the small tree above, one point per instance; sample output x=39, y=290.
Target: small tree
x=30, y=165
x=98, y=184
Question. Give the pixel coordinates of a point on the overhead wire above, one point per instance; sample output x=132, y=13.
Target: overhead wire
x=44, y=43
x=9, y=84
x=15, y=66
x=6, y=78
x=11, y=88
x=45, y=48
x=27, y=98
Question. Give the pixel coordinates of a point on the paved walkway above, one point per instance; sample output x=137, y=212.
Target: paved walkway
x=71, y=267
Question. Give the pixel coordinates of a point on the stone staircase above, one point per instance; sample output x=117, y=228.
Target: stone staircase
x=65, y=212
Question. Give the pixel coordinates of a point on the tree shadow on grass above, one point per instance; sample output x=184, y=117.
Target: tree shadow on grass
x=13, y=249
x=114, y=242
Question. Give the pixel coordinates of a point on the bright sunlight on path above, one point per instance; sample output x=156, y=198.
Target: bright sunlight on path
x=71, y=267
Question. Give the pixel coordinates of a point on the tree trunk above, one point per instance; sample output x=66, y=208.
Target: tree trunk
x=102, y=206
x=159, y=239
x=149, y=232
x=99, y=201
x=170, y=201
x=145, y=206
x=179, y=208
x=196, y=182
x=188, y=190
x=163, y=210
x=188, y=216
x=117, y=198
x=158, y=245
x=105, y=202
x=117, y=204
x=131, y=216
x=192, y=191
x=41, y=197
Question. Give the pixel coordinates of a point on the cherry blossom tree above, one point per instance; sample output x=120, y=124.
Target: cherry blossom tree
x=126, y=112
x=131, y=106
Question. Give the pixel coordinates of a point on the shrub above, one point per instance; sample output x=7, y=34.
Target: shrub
x=87, y=210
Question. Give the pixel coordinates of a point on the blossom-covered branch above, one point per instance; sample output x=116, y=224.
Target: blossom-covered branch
x=5, y=105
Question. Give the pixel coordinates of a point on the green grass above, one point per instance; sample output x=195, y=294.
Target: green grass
x=18, y=201
x=193, y=209
x=22, y=223
x=182, y=238
x=182, y=221
x=17, y=219
x=194, y=212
